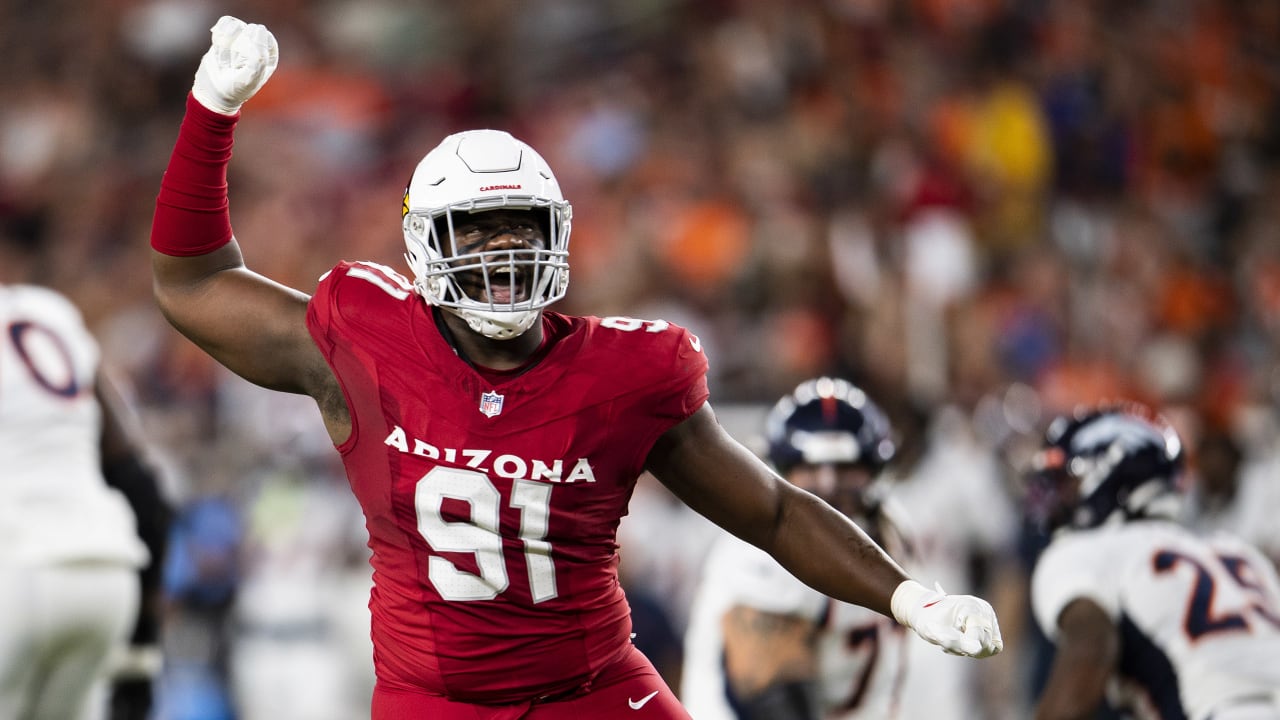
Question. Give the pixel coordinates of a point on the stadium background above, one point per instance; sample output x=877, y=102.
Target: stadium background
x=984, y=211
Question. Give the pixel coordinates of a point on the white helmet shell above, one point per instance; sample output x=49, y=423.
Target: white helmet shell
x=477, y=171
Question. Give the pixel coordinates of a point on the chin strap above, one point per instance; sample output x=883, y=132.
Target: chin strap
x=491, y=325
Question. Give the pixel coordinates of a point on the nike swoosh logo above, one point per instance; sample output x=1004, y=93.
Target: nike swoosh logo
x=935, y=602
x=637, y=705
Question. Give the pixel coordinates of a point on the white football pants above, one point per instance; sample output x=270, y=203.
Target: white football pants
x=58, y=625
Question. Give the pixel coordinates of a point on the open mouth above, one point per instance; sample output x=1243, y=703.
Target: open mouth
x=508, y=285
x=503, y=285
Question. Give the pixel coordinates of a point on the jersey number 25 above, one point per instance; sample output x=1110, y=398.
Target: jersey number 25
x=1201, y=617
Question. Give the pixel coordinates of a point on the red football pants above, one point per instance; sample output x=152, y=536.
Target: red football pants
x=628, y=689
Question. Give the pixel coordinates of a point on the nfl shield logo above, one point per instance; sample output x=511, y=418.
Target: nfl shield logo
x=490, y=403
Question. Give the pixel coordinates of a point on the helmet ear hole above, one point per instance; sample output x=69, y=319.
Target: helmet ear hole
x=413, y=226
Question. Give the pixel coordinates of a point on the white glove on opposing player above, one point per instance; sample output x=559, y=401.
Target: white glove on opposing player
x=240, y=59
x=960, y=624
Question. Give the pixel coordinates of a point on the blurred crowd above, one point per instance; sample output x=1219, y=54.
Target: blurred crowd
x=982, y=211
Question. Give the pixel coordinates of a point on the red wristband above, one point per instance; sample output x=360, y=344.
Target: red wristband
x=192, y=215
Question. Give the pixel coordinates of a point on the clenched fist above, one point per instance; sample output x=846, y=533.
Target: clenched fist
x=240, y=59
x=960, y=624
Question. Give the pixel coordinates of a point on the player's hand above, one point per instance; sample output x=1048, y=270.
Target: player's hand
x=959, y=624
x=240, y=59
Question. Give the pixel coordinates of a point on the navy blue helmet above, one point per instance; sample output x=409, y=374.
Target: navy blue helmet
x=828, y=421
x=1105, y=464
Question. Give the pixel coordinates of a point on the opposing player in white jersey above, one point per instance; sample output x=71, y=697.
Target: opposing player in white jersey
x=761, y=644
x=1145, y=615
x=70, y=552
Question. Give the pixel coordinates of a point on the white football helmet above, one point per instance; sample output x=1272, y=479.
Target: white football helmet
x=476, y=171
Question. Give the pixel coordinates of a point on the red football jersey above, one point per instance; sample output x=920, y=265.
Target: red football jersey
x=492, y=509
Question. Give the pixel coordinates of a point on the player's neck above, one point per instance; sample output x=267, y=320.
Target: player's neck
x=487, y=352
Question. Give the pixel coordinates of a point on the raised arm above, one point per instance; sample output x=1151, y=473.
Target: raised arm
x=251, y=324
x=722, y=480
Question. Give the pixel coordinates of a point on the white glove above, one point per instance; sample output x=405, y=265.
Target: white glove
x=960, y=624
x=240, y=60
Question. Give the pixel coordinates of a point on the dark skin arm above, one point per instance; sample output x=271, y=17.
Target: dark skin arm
x=257, y=329
x=254, y=326
x=716, y=476
x=1087, y=651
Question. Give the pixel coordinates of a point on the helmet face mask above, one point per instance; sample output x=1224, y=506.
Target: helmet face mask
x=1051, y=493
x=1107, y=465
x=829, y=438
x=499, y=288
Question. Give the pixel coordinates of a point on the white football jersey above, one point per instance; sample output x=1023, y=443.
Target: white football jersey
x=861, y=653
x=958, y=507
x=54, y=503
x=1199, y=618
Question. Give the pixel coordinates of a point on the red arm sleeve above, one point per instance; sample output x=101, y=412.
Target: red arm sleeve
x=192, y=215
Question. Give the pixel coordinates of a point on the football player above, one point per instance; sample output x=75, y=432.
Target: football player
x=762, y=644
x=1145, y=615
x=82, y=524
x=493, y=444
x=962, y=522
